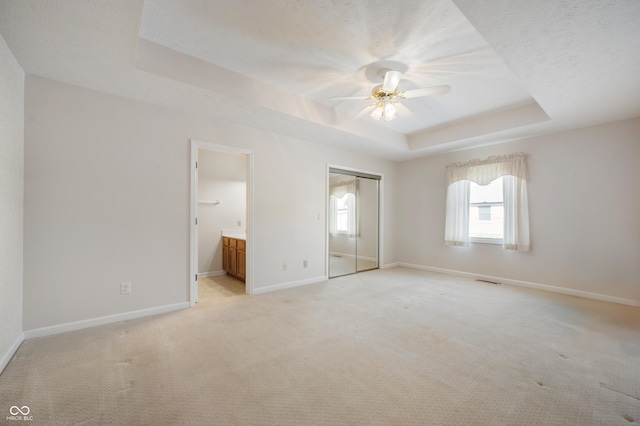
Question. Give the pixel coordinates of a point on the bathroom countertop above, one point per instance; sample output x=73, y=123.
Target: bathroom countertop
x=237, y=236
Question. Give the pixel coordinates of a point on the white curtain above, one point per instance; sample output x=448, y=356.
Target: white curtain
x=516, y=214
x=516, y=209
x=456, y=231
x=333, y=211
x=351, y=216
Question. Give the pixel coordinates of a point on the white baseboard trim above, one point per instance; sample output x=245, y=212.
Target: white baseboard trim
x=10, y=352
x=290, y=284
x=109, y=319
x=390, y=265
x=545, y=287
x=211, y=273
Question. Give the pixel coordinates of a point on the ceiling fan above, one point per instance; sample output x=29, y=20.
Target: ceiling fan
x=386, y=97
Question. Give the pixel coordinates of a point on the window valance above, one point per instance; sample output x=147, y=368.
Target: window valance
x=483, y=172
x=338, y=190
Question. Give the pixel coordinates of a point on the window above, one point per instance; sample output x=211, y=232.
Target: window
x=495, y=211
x=486, y=212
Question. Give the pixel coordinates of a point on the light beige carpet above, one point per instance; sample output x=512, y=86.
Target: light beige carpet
x=386, y=347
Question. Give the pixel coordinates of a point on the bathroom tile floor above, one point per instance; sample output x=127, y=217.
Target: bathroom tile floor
x=219, y=287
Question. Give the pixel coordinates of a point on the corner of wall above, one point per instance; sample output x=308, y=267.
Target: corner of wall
x=6, y=357
x=12, y=201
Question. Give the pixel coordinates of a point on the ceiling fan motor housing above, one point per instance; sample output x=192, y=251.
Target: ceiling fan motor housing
x=382, y=95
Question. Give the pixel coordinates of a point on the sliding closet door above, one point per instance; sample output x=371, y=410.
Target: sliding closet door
x=342, y=224
x=367, y=235
x=353, y=222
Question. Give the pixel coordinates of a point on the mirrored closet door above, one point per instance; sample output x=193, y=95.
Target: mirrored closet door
x=353, y=222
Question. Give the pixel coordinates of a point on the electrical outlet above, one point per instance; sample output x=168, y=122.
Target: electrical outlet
x=125, y=287
x=304, y=264
x=284, y=266
x=239, y=223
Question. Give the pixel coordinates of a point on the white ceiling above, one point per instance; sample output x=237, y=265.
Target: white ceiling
x=517, y=68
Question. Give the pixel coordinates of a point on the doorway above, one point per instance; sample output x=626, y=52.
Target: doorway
x=354, y=221
x=221, y=210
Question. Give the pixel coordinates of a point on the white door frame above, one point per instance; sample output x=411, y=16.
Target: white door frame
x=380, y=214
x=193, y=208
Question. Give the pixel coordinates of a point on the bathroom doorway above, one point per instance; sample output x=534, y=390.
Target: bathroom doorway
x=354, y=221
x=221, y=216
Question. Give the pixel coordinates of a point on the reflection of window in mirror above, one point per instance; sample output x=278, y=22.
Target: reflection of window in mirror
x=343, y=207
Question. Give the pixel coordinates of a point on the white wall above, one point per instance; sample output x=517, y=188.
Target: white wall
x=578, y=241
x=11, y=200
x=223, y=177
x=107, y=200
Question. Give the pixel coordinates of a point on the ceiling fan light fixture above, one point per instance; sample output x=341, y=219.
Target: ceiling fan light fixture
x=389, y=112
x=385, y=95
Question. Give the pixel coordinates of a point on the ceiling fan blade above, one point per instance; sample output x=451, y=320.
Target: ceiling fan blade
x=402, y=110
x=429, y=91
x=349, y=98
x=391, y=80
x=363, y=112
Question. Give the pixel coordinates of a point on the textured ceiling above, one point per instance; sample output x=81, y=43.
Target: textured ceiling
x=322, y=49
x=517, y=68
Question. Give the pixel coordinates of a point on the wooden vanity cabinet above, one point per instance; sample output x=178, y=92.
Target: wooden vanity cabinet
x=234, y=257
